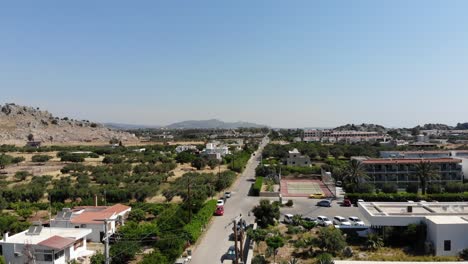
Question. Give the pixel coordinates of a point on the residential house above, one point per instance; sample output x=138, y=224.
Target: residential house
x=296, y=159
x=92, y=217
x=44, y=245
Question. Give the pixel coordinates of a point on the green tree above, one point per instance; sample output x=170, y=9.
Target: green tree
x=274, y=243
x=185, y=157
x=155, y=257
x=374, y=242
x=21, y=175
x=199, y=163
x=124, y=251
x=331, y=240
x=98, y=258
x=356, y=172
x=137, y=215
x=5, y=160
x=257, y=235
x=40, y=158
x=425, y=172
x=266, y=213
x=30, y=137
x=17, y=160
x=2, y=260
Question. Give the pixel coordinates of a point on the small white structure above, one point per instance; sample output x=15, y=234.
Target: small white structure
x=92, y=217
x=447, y=223
x=182, y=148
x=44, y=245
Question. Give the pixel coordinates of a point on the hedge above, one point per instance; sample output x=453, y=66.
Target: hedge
x=194, y=228
x=257, y=187
x=403, y=197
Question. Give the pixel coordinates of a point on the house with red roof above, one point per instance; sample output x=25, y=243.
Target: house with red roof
x=46, y=245
x=93, y=217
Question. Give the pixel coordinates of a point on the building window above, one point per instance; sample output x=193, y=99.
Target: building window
x=447, y=245
x=43, y=255
x=59, y=254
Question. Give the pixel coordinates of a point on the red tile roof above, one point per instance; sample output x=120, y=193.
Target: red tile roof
x=117, y=208
x=410, y=161
x=57, y=242
x=91, y=217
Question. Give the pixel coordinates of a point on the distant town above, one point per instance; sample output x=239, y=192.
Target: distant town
x=230, y=195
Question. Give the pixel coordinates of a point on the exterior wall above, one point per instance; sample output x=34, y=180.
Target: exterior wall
x=95, y=235
x=455, y=233
x=298, y=161
x=9, y=249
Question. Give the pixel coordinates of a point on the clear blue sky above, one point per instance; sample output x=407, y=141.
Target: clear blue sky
x=281, y=63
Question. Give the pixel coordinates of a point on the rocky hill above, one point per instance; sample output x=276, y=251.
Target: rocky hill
x=362, y=127
x=212, y=123
x=18, y=123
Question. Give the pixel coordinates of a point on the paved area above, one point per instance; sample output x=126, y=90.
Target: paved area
x=215, y=242
x=303, y=188
x=307, y=207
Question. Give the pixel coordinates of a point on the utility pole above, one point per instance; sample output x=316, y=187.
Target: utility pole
x=106, y=237
x=189, y=200
x=241, y=242
x=236, y=261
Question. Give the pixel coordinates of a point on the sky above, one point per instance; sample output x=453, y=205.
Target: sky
x=279, y=63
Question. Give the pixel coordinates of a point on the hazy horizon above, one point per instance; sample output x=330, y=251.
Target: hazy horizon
x=282, y=64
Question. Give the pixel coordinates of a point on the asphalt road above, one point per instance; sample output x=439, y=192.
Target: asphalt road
x=215, y=242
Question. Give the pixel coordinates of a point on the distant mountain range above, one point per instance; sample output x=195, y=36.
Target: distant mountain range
x=123, y=126
x=212, y=123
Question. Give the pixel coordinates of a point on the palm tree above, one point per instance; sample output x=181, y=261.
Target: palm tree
x=426, y=172
x=356, y=172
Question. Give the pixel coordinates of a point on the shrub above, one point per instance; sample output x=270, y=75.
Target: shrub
x=257, y=187
x=258, y=234
x=194, y=228
x=390, y=188
x=324, y=258
x=40, y=158
x=259, y=260
x=454, y=187
x=464, y=254
x=412, y=188
x=21, y=175
x=289, y=203
x=72, y=157
x=434, y=188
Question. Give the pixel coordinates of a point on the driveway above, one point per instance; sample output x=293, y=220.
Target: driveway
x=215, y=242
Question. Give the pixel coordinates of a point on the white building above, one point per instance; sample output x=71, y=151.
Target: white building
x=43, y=245
x=447, y=223
x=182, y=148
x=349, y=136
x=91, y=217
x=215, y=151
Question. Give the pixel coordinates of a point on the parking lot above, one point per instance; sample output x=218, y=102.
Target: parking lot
x=307, y=207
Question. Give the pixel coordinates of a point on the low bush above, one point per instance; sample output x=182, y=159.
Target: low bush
x=194, y=228
x=412, y=188
x=40, y=158
x=389, y=188
x=434, y=188
x=257, y=187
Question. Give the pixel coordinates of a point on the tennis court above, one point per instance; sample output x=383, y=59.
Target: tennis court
x=303, y=188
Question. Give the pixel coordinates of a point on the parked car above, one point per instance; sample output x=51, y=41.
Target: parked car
x=219, y=210
x=220, y=202
x=309, y=219
x=347, y=202
x=317, y=196
x=356, y=221
x=324, y=203
x=288, y=218
x=323, y=220
x=338, y=183
x=231, y=253
x=227, y=195
x=339, y=220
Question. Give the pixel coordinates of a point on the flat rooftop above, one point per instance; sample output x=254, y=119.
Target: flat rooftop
x=417, y=208
x=441, y=219
x=46, y=233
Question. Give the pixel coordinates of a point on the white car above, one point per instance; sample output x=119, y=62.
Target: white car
x=220, y=202
x=356, y=221
x=323, y=220
x=288, y=218
x=227, y=195
x=341, y=221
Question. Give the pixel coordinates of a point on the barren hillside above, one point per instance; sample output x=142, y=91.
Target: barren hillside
x=18, y=122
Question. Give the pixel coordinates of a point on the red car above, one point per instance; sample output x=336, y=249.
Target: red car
x=347, y=202
x=219, y=210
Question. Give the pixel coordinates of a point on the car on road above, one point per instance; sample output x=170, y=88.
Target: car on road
x=219, y=210
x=324, y=203
x=316, y=195
x=338, y=183
x=323, y=220
x=288, y=218
x=347, y=202
x=231, y=253
x=227, y=195
x=309, y=219
x=341, y=221
x=356, y=221
x=220, y=202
